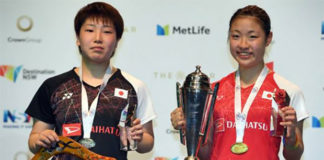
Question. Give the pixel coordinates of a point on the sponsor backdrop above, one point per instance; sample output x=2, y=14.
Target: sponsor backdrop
x=162, y=43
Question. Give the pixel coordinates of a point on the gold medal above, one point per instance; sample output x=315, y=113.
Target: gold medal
x=239, y=148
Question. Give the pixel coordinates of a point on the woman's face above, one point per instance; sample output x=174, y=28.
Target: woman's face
x=248, y=41
x=97, y=41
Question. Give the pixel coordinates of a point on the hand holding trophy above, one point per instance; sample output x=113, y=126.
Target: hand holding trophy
x=280, y=99
x=197, y=100
x=126, y=122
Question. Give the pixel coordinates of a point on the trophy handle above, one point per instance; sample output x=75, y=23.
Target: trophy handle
x=210, y=111
x=68, y=146
x=207, y=115
x=180, y=104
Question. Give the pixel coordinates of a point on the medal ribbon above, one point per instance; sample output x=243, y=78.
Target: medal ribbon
x=240, y=117
x=88, y=114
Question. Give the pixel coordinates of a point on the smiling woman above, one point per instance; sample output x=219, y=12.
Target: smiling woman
x=242, y=115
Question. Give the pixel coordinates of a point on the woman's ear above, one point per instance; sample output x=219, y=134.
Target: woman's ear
x=269, y=39
x=77, y=41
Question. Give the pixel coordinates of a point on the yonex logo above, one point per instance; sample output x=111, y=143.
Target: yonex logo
x=67, y=96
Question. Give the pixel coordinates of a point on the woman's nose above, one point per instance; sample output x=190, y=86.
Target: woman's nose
x=243, y=43
x=98, y=38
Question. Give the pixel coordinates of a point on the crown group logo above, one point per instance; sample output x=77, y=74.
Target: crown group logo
x=24, y=24
x=16, y=119
x=317, y=122
x=165, y=30
x=11, y=72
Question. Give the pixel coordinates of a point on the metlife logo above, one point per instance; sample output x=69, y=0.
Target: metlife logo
x=317, y=122
x=166, y=30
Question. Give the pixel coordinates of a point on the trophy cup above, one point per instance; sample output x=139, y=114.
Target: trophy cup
x=197, y=100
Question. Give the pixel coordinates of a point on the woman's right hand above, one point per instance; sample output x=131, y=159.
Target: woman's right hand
x=42, y=135
x=46, y=139
x=177, y=118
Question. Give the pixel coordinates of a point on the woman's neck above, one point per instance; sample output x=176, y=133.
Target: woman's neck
x=93, y=74
x=248, y=76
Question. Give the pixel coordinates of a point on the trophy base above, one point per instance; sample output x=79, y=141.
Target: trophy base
x=191, y=158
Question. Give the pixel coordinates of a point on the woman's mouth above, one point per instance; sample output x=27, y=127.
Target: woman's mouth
x=244, y=55
x=97, y=48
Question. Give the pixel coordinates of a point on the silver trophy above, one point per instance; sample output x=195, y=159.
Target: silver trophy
x=197, y=100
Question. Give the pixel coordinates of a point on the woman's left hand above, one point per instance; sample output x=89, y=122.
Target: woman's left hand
x=137, y=130
x=289, y=117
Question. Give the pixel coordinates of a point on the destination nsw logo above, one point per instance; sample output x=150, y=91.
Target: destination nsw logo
x=11, y=72
x=180, y=30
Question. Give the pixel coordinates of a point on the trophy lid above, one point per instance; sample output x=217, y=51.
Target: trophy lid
x=197, y=80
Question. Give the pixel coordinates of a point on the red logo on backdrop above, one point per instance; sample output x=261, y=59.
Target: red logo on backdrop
x=72, y=129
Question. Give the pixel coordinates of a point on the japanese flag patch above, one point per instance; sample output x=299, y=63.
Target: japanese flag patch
x=267, y=95
x=121, y=93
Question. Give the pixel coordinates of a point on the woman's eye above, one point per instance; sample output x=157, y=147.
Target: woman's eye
x=89, y=30
x=107, y=31
x=235, y=36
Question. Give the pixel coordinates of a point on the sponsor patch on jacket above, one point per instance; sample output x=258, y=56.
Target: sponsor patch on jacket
x=72, y=129
x=220, y=125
